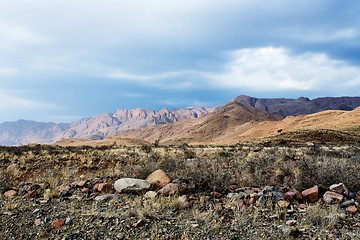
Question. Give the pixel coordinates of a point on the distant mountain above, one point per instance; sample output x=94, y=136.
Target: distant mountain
x=294, y=107
x=95, y=128
x=229, y=120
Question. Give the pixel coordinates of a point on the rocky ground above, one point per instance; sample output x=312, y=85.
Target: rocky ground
x=238, y=192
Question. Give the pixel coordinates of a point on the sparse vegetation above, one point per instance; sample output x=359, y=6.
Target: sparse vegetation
x=205, y=175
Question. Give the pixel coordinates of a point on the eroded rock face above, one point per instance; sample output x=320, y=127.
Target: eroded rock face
x=132, y=185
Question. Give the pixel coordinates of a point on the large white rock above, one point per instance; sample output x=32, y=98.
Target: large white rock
x=132, y=185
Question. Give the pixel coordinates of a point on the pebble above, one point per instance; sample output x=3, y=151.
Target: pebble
x=58, y=223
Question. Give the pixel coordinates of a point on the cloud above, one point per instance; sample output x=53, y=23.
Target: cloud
x=18, y=34
x=11, y=101
x=276, y=69
x=7, y=71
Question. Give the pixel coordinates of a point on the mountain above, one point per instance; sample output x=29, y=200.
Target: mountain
x=294, y=107
x=237, y=123
x=211, y=127
x=95, y=128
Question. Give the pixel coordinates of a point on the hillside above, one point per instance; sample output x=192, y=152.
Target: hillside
x=206, y=129
x=95, y=128
x=294, y=107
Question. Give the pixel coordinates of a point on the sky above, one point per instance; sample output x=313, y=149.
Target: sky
x=63, y=60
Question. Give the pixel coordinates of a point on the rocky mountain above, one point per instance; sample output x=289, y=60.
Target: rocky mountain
x=294, y=107
x=95, y=128
x=231, y=119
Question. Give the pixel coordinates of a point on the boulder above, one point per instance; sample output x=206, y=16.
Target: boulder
x=132, y=185
x=169, y=189
x=159, y=179
x=333, y=197
x=339, y=188
x=311, y=194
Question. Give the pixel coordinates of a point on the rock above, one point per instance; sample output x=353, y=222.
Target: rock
x=80, y=183
x=291, y=222
x=252, y=201
x=347, y=203
x=311, y=194
x=103, y=187
x=339, y=188
x=351, y=209
x=187, y=205
x=37, y=222
x=333, y=197
x=290, y=196
x=68, y=221
x=150, y=194
x=239, y=195
x=169, y=189
x=10, y=194
x=58, y=223
x=283, y=204
x=132, y=185
x=105, y=197
x=85, y=190
x=159, y=179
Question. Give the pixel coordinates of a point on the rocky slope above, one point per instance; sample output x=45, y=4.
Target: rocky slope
x=294, y=107
x=232, y=118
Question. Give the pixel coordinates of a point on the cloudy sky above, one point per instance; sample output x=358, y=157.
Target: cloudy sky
x=62, y=60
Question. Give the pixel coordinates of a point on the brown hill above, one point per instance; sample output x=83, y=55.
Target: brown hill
x=233, y=118
x=343, y=121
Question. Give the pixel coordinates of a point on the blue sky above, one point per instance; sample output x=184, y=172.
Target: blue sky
x=62, y=60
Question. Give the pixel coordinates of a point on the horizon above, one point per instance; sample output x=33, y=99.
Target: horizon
x=62, y=61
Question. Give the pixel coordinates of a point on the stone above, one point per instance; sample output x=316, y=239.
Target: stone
x=347, y=203
x=351, y=209
x=239, y=195
x=80, y=183
x=252, y=201
x=291, y=222
x=333, y=197
x=105, y=197
x=37, y=222
x=187, y=205
x=150, y=194
x=131, y=185
x=58, y=223
x=85, y=190
x=159, y=179
x=289, y=196
x=339, y=188
x=103, y=187
x=10, y=194
x=169, y=189
x=283, y=204
x=311, y=194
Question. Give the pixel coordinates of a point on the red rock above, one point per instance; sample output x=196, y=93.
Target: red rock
x=290, y=196
x=357, y=198
x=252, y=200
x=311, y=194
x=193, y=198
x=104, y=187
x=37, y=222
x=10, y=194
x=159, y=179
x=80, y=183
x=302, y=205
x=187, y=205
x=169, y=189
x=58, y=223
x=85, y=190
x=333, y=197
x=351, y=209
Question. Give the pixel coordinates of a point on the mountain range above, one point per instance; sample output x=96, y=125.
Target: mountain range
x=188, y=125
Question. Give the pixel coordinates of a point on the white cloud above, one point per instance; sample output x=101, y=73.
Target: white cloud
x=17, y=34
x=276, y=69
x=11, y=101
x=7, y=71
